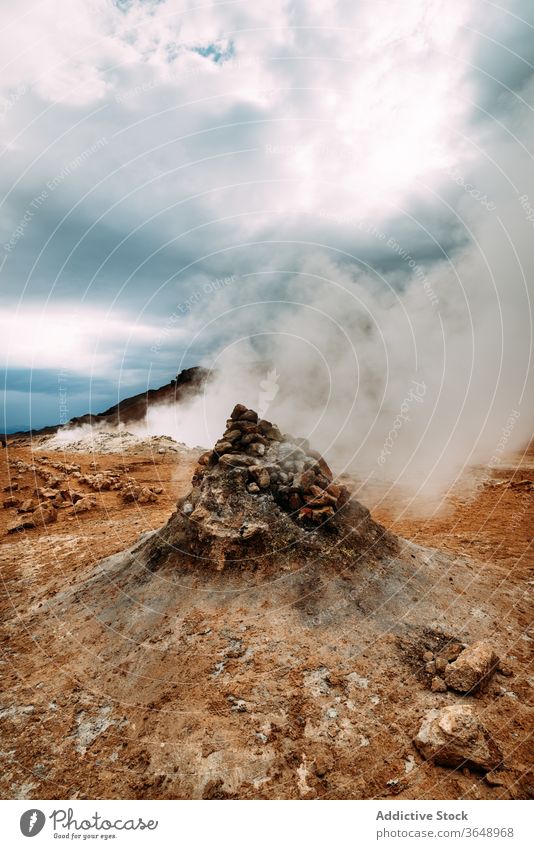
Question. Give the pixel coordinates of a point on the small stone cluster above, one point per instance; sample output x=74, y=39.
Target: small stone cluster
x=259, y=457
x=464, y=669
x=454, y=735
x=39, y=507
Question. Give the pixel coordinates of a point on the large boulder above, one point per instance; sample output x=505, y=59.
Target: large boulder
x=453, y=736
x=473, y=666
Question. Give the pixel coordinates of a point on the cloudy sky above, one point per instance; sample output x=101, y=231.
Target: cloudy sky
x=309, y=183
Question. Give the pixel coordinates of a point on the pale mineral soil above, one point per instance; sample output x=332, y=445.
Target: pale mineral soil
x=207, y=690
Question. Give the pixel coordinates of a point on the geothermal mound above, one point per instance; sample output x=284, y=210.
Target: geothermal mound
x=260, y=493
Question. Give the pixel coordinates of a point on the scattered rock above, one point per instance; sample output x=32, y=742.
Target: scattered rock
x=45, y=514
x=453, y=736
x=428, y=656
x=26, y=523
x=44, y=493
x=494, y=780
x=84, y=505
x=27, y=506
x=473, y=666
x=441, y=664
x=438, y=685
x=133, y=492
x=451, y=651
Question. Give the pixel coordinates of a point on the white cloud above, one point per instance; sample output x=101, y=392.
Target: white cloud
x=300, y=121
x=332, y=85
x=82, y=340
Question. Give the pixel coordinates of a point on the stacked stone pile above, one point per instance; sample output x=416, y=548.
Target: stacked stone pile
x=259, y=457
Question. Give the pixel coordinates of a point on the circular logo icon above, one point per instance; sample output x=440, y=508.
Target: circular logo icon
x=31, y=822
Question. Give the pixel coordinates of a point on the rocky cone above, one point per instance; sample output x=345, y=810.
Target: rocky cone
x=260, y=492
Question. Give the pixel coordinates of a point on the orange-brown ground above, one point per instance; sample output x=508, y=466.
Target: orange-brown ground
x=81, y=718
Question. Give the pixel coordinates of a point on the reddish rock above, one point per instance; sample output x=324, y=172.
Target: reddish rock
x=305, y=480
x=325, y=468
x=295, y=501
x=322, y=514
x=451, y=651
x=344, y=496
x=205, y=458
x=441, y=664
x=249, y=416
x=246, y=427
x=232, y=435
x=321, y=497
x=222, y=447
x=238, y=411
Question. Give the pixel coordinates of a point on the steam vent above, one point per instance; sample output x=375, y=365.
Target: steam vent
x=260, y=492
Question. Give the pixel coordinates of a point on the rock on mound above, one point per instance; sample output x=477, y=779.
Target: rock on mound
x=257, y=455
x=263, y=493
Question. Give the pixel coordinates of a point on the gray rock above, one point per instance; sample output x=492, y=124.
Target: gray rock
x=232, y=460
x=472, y=667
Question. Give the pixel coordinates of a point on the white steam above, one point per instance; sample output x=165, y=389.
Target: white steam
x=408, y=385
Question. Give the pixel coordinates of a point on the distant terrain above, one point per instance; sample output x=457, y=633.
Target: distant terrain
x=171, y=678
